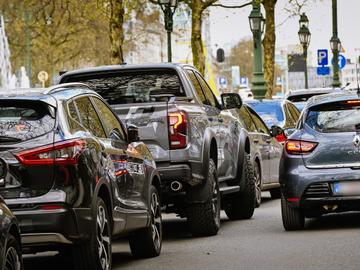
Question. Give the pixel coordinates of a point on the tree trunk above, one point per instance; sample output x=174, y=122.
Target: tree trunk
x=116, y=31
x=196, y=36
x=269, y=46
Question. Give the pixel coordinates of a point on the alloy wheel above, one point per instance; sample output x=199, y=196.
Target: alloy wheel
x=257, y=184
x=156, y=223
x=103, y=238
x=215, y=201
x=12, y=259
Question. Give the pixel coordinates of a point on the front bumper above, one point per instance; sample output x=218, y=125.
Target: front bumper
x=54, y=227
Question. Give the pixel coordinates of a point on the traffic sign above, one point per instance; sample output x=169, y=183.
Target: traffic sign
x=323, y=71
x=323, y=57
x=222, y=81
x=244, y=82
x=43, y=76
x=341, y=61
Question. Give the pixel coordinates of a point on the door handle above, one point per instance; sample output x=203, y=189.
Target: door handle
x=211, y=119
x=268, y=141
x=221, y=120
x=256, y=140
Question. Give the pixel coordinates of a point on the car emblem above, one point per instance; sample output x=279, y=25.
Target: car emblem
x=356, y=140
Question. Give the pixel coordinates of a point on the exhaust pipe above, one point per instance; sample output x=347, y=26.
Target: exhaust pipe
x=176, y=186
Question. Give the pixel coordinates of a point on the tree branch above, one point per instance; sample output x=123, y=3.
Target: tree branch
x=225, y=6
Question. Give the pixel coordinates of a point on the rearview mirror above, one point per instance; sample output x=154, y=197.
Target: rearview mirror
x=133, y=133
x=231, y=101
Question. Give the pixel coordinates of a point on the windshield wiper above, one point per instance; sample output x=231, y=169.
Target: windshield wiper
x=9, y=139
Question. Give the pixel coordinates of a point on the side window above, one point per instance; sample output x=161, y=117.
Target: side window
x=73, y=119
x=89, y=118
x=246, y=118
x=261, y=127
x=110, y=121
x=294, y=111
x=210, y=97
x=290, y=119
x=197, y=86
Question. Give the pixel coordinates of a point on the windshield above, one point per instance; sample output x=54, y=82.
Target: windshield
x=24, y=120
x=134, y=87
x=271, y=113
x=335, y=117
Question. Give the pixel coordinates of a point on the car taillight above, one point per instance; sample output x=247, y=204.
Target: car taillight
x=294, y=147
x=177, y=130
x=65, y=152
x=281, y=138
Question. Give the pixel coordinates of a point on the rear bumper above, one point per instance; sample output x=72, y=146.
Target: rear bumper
x=54, y=227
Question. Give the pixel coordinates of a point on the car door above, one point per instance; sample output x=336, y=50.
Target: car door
x=128, y=160
x=264, y=141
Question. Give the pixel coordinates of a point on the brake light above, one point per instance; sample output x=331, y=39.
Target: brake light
x=353, y=102
x=177, y=130
x=281, y=138
x=120, y=167
x=65, y=152
x=49, y=207
x=299, y=147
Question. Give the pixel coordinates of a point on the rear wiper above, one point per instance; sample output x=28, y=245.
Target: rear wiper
x=357, y=126
x=9, y=139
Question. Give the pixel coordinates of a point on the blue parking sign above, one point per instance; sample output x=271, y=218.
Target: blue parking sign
x=323, y=57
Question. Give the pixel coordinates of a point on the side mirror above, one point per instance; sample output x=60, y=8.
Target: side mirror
x=276, y=131
x=133, y=133
x=231, y=101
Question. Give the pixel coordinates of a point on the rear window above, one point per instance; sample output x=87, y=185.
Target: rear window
x=134, y=87
x=22, y=120
x=270, y=113
x=303, y=98
x=335, y=117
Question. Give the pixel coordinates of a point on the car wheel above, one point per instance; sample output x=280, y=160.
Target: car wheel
x=96, y=253
x=292, y=218
x=275, y=193
x=204, y=218
x=13, y=254
x=257, y=174
x=241, y=205
x=147, y=242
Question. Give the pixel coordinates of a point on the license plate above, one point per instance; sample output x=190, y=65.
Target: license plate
x=346, y=188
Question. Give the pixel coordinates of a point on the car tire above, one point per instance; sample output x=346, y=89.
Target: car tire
x=293, y=218
x=13, y=258
x=258, y=181
x=95, y=254
x=275, y=193
x=241, y=205
x=204, y=218
x=146, y=243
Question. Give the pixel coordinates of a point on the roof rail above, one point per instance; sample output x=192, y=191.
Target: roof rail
x=59, y=87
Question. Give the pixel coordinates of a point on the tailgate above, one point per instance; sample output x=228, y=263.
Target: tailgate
x=152, y=122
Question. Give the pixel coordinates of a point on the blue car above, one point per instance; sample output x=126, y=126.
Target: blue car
x=280, y=113
x=320, y=165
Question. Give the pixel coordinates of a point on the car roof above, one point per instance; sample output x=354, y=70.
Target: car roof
x=301, y=92
x=333, y=97
x=268, y=101
x=47, y=95
x=115, y=68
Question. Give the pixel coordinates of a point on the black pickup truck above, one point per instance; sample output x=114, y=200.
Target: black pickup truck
x=201, y=149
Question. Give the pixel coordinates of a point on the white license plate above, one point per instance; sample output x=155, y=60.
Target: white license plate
x=346, y=188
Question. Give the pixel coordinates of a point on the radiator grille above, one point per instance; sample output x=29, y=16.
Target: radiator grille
x=318, y=190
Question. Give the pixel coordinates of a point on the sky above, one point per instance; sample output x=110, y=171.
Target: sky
x=231, y=25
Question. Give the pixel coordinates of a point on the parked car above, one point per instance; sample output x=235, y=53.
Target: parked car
x=265, y=151
x=188, y=133
x=280, y=113
x=301, y=96
x=319, y=170
x=10, y=242
x=76, y=176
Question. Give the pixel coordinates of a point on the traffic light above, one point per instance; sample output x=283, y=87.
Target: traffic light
x=220, y=55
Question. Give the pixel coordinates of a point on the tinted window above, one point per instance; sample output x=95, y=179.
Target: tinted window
x=270, y=112
x=260, y=126
x=196, y=84
x=89, y=118
x=134, y=87
x=334, y=117
x=246, y=119
x=25, y=120
x=110, y=121
x=207, y=91
x=74, y=120
x=294, y=112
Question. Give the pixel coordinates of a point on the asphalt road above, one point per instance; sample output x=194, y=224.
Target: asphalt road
x=331, y=242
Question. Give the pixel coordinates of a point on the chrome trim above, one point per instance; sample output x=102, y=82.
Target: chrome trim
x=42, y=238
x=332, y=166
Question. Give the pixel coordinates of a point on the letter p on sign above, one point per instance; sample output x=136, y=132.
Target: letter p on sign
x=323, y=57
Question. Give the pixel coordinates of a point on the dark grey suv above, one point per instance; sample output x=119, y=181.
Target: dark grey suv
x=320, y=167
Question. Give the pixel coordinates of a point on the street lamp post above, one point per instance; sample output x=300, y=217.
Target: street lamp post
x=257, y=24
x=168, y=7
x=304, y=36
x=335, y=44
